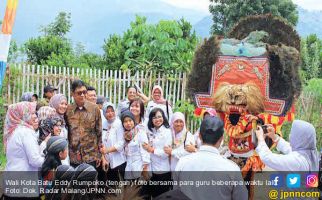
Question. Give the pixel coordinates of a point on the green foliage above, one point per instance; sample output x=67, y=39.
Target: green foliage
x=311, y=54
x=227, y=12
x=42, y=48
x=166, y=46
x=187, y=109
x=114, y=52
x=54, y=49
x=2, y=119
x=308, y=108
x=60, y=26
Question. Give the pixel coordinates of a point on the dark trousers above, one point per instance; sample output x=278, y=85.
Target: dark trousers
x=116, y=174
x=156, y=190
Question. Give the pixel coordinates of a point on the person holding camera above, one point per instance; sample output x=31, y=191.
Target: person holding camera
x=300, y=154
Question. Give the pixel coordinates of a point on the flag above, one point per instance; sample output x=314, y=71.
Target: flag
x=5, y=36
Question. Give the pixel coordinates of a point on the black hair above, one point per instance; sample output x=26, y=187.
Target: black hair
x=129, y=87
x=152, y=114
x=211, y=130
x=76, y=84
x=90, y=88
x=140, y=102
x=52, y=161
x=36, y=96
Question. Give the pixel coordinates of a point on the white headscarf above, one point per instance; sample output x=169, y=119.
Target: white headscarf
x=303, y=141
x=104, y=108
x=178, y=116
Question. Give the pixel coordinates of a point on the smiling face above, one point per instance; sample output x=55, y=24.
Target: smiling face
x=62, y=107
x=91, y=96
x=157, y=120
x=110, y=113
x=135, y=109
x=131, y=94
x=178, y=125
x=128, y=123
x=57, y=128
x=156, y=94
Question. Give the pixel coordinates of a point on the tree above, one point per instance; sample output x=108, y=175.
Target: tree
x=227, y=12
x=55, y=49
x=40, y=49
x=311, y=55
x=60, y=26
x=165, y=46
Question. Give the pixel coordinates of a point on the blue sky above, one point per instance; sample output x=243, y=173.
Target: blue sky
x=202, y=5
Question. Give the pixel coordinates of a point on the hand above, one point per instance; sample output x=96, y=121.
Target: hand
x=127, y=136
x=105, y=164
x=271, y=132
x=147, y=147
x=103, y=149
x=167, y=150
x=98, y=162
x=260, y=133
x=250, y=118
x=190, y=148
x=145, y=173
x=47, y=138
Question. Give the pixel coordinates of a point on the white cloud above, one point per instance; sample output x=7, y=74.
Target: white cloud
x=198, y=5
x=309, y=4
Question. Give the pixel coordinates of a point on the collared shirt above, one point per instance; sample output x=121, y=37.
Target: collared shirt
x=84, y=132
x=23, y=151
x=291, y=161
x=200, y=166
x=136, y=155
x=151, y=105
x=113, y=136
x=159, y=159
x=22, y=155
x=122, y=106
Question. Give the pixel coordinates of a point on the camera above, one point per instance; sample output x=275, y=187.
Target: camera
x=268, y=141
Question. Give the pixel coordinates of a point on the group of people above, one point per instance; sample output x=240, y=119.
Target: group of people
x=138, y=139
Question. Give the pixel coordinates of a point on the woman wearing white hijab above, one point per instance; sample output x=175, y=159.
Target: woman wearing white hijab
x=183, y=141
x=113, y=141
x=300, y=153
x=158, y=101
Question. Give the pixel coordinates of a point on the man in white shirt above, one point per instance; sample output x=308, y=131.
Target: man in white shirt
x=206, y=174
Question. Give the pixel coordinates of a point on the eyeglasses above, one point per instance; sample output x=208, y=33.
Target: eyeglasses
x=79, y=93
x=157, y=117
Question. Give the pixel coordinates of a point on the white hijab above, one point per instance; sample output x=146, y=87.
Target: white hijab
x=303, y=141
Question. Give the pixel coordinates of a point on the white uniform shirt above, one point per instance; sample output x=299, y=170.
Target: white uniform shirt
x=43, y=145
x=23, y=152
x=200, y=166
x=151, y=105
x=136, y=155
x=291, y=161
x=103, y=117
x=179, y=152
x=159, y=159
x=113, y=136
